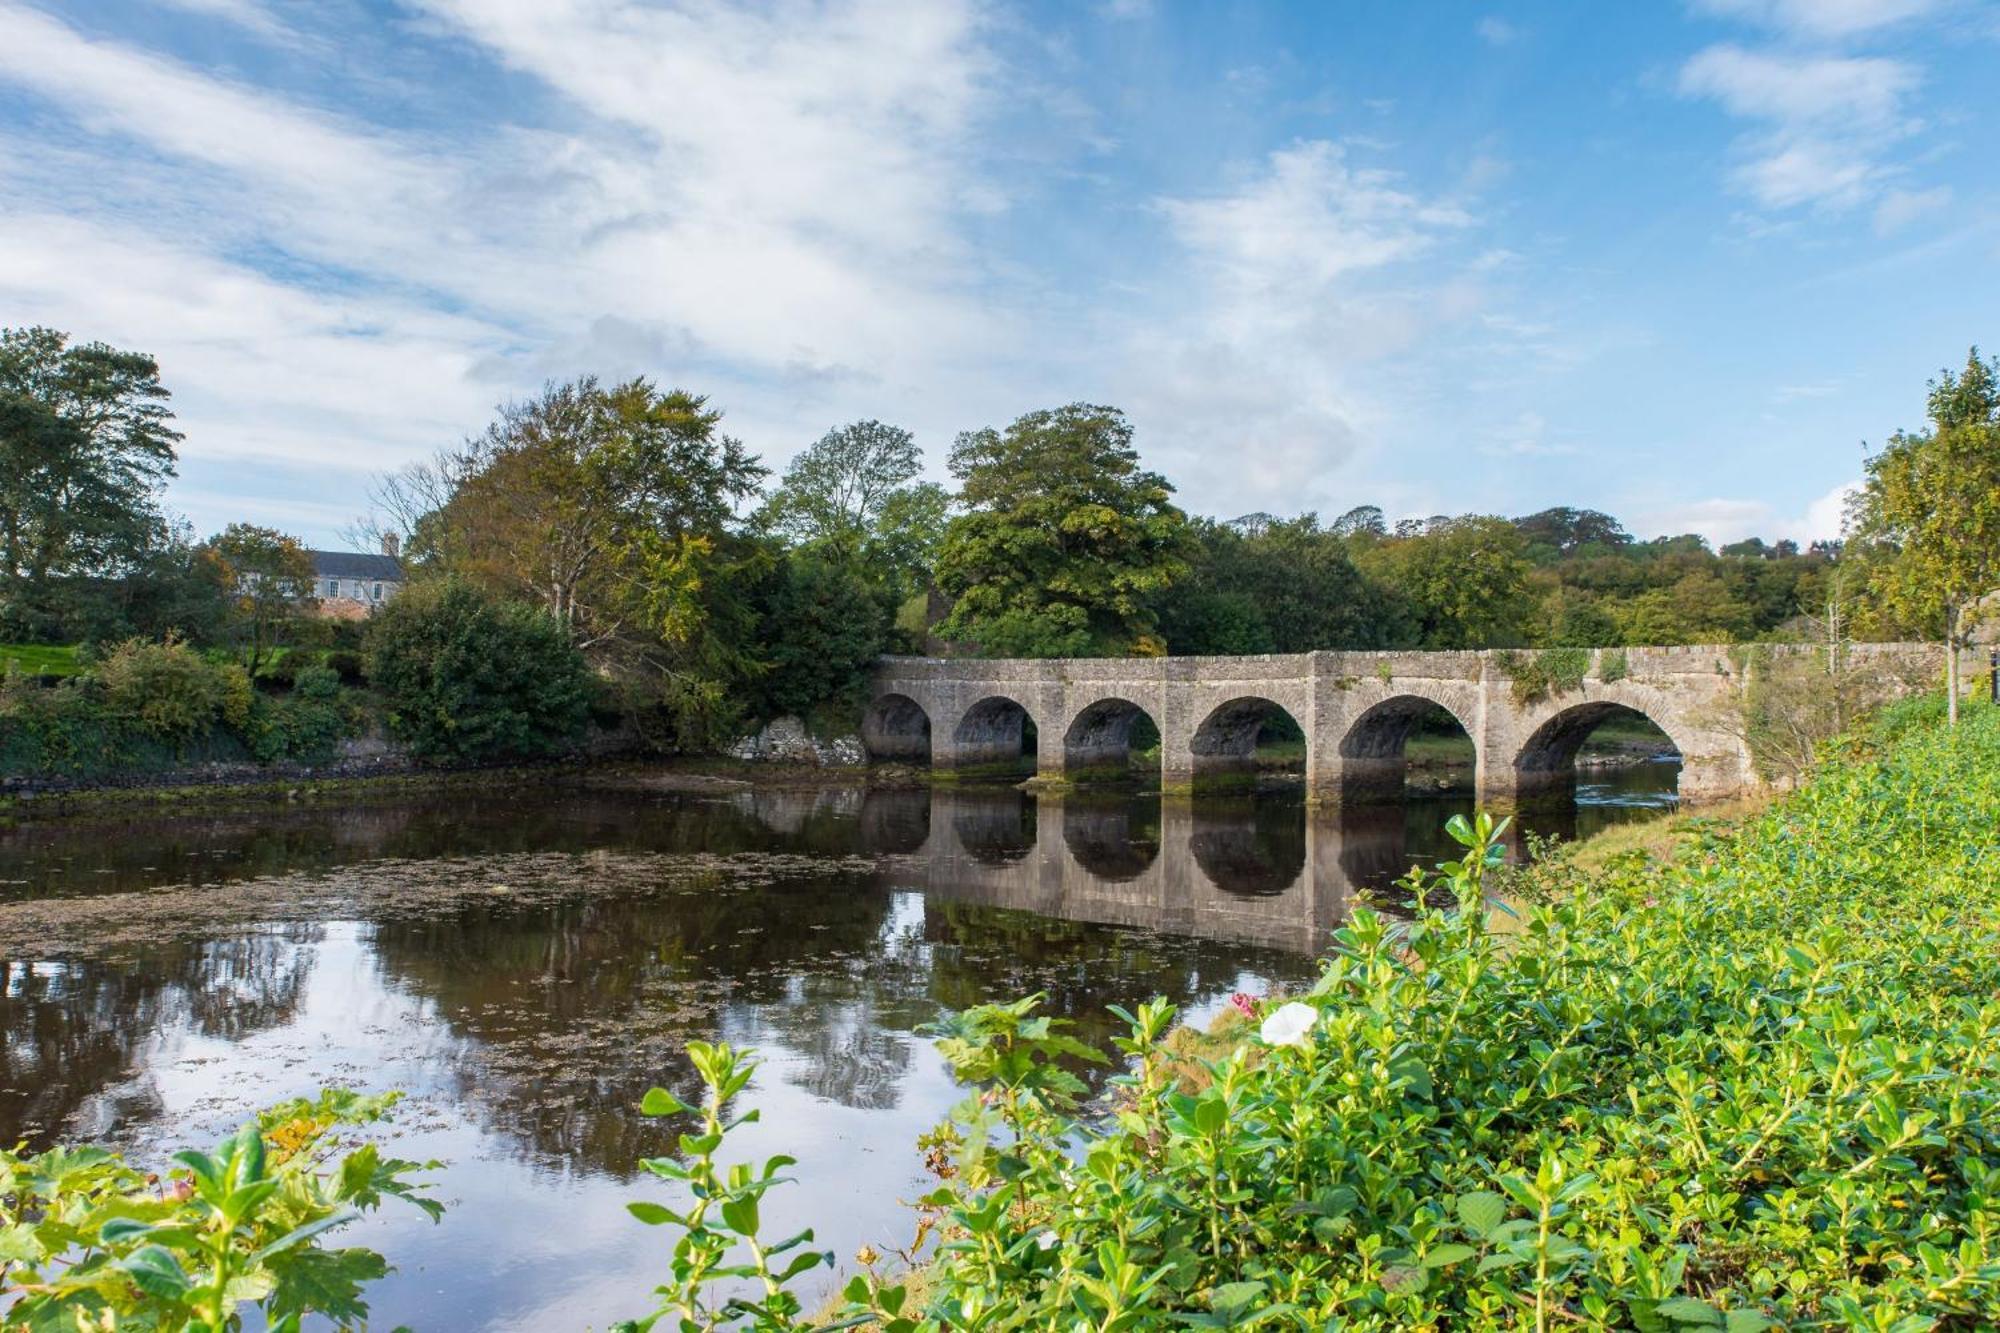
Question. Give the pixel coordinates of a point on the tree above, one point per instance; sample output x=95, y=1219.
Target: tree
x=470, y=678
x=1931, y=505
x=266, y=579
x=853, y=496
x=833, y=493
x=1563, y=531
x=1464, y=581
x=614, y=510
x=1065, y=539
x=824, y=625
x=85, y=446
x=1287, y=586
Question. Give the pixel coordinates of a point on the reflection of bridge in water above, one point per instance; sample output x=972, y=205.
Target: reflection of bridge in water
x=1251, y=871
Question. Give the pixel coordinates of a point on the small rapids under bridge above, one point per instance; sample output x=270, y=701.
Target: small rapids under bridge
x=1355, y=709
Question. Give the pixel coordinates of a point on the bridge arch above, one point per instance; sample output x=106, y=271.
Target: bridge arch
x=895, y=726
x=1374, y=751
x=996, y=730
x=995, y=828
x=1099, y=738
x=1547, y=757
x=1225, y=742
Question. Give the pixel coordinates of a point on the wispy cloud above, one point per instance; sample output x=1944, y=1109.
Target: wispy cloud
x=1496, y=31
x=1820, y=18
x=1300, y=288
x=1828, y=120
x=775, y=199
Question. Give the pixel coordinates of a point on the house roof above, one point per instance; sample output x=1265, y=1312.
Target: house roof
x=355, y=565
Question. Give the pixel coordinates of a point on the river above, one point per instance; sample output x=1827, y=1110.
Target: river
x=525, y=964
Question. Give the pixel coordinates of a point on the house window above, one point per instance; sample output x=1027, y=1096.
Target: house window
x=333, y=587
x=378, y=592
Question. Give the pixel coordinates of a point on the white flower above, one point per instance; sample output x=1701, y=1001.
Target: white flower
x=1289, y=1025
x=1046, y=1241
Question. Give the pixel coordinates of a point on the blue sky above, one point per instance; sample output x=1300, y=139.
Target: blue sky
x=1672, y=260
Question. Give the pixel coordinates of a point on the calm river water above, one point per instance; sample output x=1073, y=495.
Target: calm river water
x=524, y=965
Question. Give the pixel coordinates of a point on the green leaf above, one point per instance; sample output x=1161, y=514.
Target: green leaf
x=652, y=1214
x=155, y=1271
x=1747, y=1321
x=309, y=1280
x=1482, y=1211
x=1442, y=1255
x=658, y=1101
x=1688, y=1310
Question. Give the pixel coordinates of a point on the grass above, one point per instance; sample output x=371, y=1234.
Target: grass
x=40, y=659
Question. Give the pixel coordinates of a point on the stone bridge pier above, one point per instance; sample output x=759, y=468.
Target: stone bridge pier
x=1356, y=710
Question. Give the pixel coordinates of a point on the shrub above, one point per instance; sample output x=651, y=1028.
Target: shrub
x=467, y=678
x=1548, y=672
x=304, y=726
x=165, y=689
x=94, y=1243
x=347, y=665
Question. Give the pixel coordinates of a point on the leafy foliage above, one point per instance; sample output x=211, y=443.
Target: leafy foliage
x=88, y=1241
x=85, y=445
x=1931, y=502
x=1065, y=539
x=267, y=581
x=824, y=626
x=466, y=677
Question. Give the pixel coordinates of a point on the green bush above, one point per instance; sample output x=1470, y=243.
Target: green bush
x=467, y=678
x=92, y=1242
x=304, y=726
x=149, y=707
x=347, y=665
x=164, y=689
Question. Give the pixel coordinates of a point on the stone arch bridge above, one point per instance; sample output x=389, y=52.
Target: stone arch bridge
x=1356, y=710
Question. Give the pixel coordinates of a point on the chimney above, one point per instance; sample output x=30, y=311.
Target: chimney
x=391, y=545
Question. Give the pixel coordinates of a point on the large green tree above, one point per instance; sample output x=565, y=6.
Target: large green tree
x=1064, y=540
x=1930, y=508
x=853, y=497
x=1277, y=586
x=614, y=509
x=85, y=445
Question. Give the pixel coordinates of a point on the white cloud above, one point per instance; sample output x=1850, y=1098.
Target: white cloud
x=1496, y=31
x=1723, y=521
x=1829, y=120
x=1264, y=369
x=1820, y=18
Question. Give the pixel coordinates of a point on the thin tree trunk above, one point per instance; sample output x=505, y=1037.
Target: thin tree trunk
x=1951, y=665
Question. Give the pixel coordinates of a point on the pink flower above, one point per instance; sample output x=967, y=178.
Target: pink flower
x=1244, y=1004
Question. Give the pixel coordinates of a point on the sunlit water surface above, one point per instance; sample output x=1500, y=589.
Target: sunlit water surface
x=524, y=965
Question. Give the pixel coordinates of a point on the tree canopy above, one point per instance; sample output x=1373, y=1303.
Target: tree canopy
x=1930, y=509
x=1064, y=538
x=85, y=446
